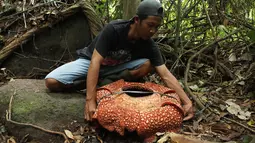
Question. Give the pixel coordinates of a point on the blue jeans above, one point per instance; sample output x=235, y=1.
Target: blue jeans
x=78, y=69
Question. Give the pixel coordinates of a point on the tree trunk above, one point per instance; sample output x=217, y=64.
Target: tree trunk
x=129, y=8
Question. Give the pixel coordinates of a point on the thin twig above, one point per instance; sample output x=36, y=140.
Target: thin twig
x=34, y=57
x=225, y=70
x=246, y=127
x=253, y=131
x=8, y=118
x=209, y=20
x=213, y=111
x=10, y=105
x=67, y=47
x=63, y=54
x=200, y=104
x=215, y=62
x=24, y=16
x=30, y=9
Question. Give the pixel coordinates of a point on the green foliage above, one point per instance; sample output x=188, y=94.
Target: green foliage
x=241, y=5
x=248, y=139
x=108, y=9
x=222, y=31
x=116, y=10
x=251, y=35
x=201, y=20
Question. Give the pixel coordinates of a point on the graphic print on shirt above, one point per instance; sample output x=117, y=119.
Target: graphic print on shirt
x=117, y=57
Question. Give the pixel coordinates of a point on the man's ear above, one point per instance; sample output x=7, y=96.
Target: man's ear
x=136, y=19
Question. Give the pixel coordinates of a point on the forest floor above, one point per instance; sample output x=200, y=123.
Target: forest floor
x=230, y=118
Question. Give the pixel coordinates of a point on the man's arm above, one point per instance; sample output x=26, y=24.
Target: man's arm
x=173, y=83
x=92, y=79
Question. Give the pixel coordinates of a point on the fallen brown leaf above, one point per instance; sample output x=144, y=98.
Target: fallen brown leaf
x=178, y=138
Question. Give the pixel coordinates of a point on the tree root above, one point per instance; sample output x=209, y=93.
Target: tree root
x=195, y=98
x=8, y=118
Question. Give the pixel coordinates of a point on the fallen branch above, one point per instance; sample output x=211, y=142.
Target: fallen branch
x=94, y=23
x=8, y=49
x=200, y=104
x=8, y=118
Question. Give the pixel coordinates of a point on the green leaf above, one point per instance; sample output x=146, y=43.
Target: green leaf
x=222, y=31
x=251, y=94
x=251, y=123
x=1, y=38
x=251, y=35
x=248, y=139
x=2, y=129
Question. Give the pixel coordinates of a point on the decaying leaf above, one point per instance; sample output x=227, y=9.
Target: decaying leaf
x=225, y=131
x=81, y=129
x=209, y=72
x=12, y=79
x=178, y=138
x=11, y=140
x=241, y=83
x=32, y=2
x=78, y=138
x=244, y=115
x=222, y=107
x=230, y=136
x=236, y=110
x=69, y=134
x=246, y=57
x=221, y=128
x=4, y=71
x=163, y=139
x=218, y=89
x=194, y=87
x=232, y=57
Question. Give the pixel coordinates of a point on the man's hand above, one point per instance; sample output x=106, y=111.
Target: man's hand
x=90, y=109
x=173, y=83
x=188, y=111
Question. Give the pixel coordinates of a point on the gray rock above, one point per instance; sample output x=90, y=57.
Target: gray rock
x=34, y=104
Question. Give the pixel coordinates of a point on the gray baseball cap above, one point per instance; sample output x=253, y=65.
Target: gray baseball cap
x=150, y=8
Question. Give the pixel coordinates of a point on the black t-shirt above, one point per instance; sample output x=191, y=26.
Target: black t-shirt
x=112, y=43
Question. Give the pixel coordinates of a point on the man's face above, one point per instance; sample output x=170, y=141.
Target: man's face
x=148, y=27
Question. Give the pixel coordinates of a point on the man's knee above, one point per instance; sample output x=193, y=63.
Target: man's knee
x=143, y=70
x=53, y=85
x=148, y=66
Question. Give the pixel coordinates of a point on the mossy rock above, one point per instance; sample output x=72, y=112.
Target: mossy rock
x=34, y=104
